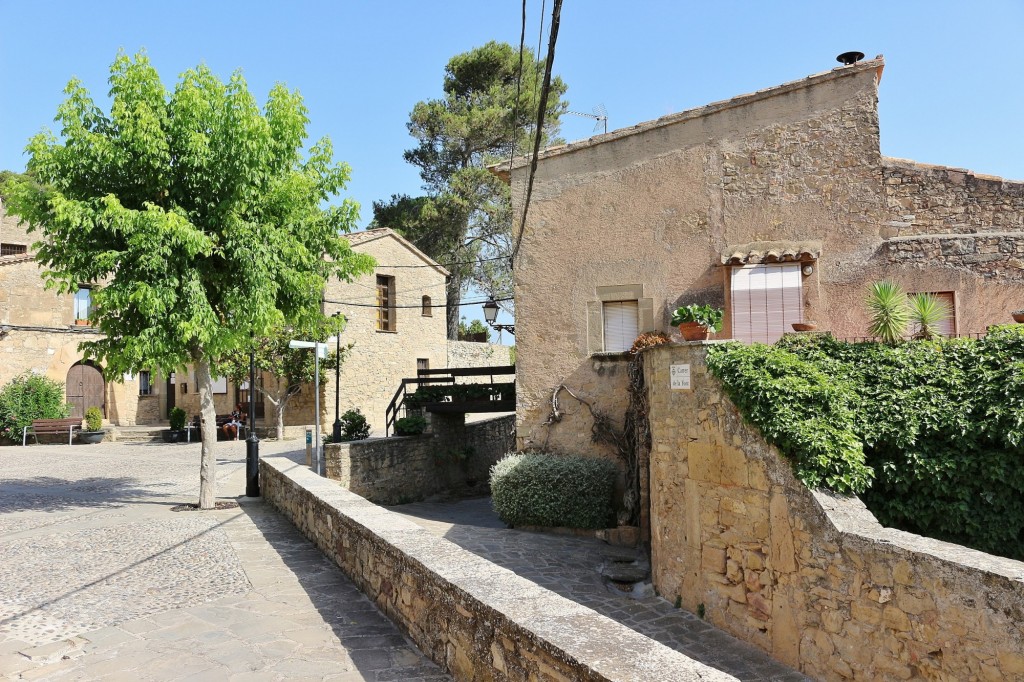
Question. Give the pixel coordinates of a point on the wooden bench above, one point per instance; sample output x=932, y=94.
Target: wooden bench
x=51, y=426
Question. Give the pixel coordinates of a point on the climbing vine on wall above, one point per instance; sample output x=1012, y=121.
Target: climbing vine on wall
x=930, y=434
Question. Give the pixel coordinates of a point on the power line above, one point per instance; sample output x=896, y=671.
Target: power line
x=446, y=305
x=445, y=265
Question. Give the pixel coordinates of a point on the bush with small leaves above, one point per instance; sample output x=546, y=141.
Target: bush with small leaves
x=412, y=425
x=354, y=425
x=93, y=419
x=28, y=397
x=542, y=489
x=177, y=418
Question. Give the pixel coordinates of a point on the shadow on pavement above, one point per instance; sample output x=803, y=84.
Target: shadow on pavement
x=49, y=493
x=376, y=646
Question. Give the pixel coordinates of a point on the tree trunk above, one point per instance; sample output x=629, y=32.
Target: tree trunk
x=207, y=462
x=454, y=293
x=279, y=416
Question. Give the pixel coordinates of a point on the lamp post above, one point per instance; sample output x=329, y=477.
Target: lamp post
x=491, y=314
x=252, y=443
x=336, y=435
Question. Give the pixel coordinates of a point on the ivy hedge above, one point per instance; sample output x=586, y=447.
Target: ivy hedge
x=930, y=434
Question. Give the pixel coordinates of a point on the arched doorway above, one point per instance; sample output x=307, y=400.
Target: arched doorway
x=85, y=389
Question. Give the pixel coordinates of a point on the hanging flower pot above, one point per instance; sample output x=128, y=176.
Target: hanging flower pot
x=1018, y=315
x=804, y=326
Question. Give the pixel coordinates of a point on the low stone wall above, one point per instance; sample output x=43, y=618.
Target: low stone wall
x=809, y=577
x=477, y=620
x=998, y=254
x=473, y=354
x=456, y=457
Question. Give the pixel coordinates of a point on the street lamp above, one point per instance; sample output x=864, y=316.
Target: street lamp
x=252, y=443
x=336, y=435
x=320, y=351
x=491, y=314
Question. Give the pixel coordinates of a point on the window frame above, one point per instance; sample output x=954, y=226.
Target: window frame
x=953, y=305
x=427, y=307
x=145, y=380
x=387, y=310
x=616, y=293
x=763, y=301
x=76, y=306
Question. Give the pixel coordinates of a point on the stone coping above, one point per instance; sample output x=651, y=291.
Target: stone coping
x=480, y=621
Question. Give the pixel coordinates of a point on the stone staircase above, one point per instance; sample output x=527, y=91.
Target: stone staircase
x=146, y=433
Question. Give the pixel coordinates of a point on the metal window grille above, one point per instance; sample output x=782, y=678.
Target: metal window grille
x=13, y=249
x=145, y=385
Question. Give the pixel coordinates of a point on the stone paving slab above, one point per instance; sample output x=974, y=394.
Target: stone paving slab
x=99, y=580
x=570, y=567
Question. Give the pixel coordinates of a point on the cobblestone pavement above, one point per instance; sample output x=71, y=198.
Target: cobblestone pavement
x=99, y=580
x=570, y=566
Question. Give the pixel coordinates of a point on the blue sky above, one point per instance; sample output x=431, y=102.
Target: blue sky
x=951, y=93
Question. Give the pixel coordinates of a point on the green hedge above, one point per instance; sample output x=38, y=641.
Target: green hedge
x=930, y=434
x=27, y=397
x=540, y=489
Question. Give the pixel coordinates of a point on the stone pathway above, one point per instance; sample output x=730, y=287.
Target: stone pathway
x=570, y=567
x=99, y=580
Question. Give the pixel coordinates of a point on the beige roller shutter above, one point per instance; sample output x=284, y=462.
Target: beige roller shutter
x=621, y=325
x=766, y=301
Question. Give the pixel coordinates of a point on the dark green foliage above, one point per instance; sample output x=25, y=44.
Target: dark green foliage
x=177, y=418
x=459, y=393
x=941, y=425
x=27, y=397
x=93, y=419
x=540, y=489
x=354, y=426
x=411, y=426
x=473, y=330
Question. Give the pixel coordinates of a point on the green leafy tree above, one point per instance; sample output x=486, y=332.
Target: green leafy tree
x=465, y=219
x=285, y=370
x=472, y=329
x=199, y=214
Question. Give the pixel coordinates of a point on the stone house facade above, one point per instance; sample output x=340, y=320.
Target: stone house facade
x=396, y=323
x=776, y=206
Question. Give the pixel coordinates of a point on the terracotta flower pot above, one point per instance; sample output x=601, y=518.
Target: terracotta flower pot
x=804, y=326
x=694, y=331
x=1018, y=315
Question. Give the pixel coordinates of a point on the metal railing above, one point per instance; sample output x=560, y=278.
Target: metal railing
x=396, y=408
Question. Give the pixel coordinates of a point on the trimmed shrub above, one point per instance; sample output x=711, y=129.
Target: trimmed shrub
x=542, y=489
x=354, y=426
x=27, y=397
x=177, y=418
x=93, y=419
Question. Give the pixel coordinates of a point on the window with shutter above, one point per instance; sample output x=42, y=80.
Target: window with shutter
x=766, y=301
x=621, y=325
x=386, y=318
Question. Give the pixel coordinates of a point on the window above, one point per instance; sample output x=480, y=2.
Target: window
x=83, y=303
x=422, y=364
x=618, y=315
x=220, y=385
x=621, y=325
x=428, y=311
x=386, y=303
x=145, y=387
x=766, y=301
x=946, y=327
x=13, y=249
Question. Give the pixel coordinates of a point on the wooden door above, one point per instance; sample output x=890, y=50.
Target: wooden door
x=85, y=389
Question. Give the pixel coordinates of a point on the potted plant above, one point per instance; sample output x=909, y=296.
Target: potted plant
x=1018, y=315
x=93, y=432
x=176, y=433
x=410, y=426
x=695, y=322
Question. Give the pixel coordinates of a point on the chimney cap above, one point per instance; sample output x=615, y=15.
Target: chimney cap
x=848, y=58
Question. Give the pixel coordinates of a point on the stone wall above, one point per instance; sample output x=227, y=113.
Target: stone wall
x=927, y=199
x=475, y=619
x=990, y=254
x=809, y=577
x=455, y=458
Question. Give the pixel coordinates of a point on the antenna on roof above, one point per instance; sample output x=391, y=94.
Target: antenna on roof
x=600, y=115
x=848, y=58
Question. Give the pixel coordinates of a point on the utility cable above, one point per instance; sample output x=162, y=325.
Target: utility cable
x=556, y=11
x=417, y=306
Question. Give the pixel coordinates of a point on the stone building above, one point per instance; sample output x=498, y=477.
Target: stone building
x=777, y=206
x=396, y=325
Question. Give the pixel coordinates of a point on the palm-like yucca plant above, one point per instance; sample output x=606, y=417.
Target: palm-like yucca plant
x=890, y=315
x=926, y=312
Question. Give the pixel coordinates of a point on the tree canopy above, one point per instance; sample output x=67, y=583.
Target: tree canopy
x=464, y=221
x=200, y=216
